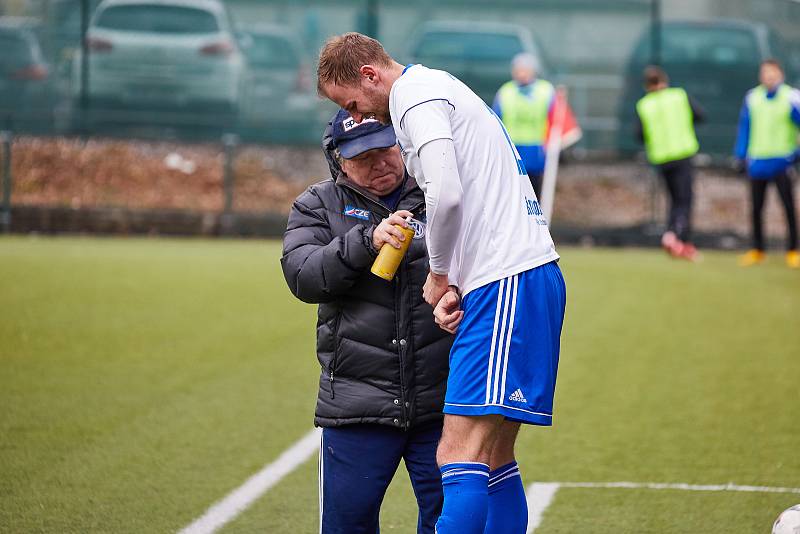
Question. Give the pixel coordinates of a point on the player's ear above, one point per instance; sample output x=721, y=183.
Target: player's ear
x=369, y=73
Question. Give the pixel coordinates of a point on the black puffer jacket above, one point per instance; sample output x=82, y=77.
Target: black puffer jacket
x=383, y=359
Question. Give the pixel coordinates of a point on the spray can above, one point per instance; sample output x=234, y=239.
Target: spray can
x=389, y=258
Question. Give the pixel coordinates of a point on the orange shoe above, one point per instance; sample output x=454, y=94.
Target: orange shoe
x=793, y=259
x=689, y=252
x=752, y=257
x=671, y=244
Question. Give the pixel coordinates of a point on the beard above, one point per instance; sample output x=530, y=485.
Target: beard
x=379, y=105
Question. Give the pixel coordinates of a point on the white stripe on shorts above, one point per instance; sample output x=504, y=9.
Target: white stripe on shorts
x=515, y=280
x=500, y=346
x=498, y=307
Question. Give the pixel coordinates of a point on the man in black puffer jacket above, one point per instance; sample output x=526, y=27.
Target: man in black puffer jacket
x=384, y=362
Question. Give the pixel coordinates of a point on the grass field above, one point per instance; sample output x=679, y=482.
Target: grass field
x=143, y=380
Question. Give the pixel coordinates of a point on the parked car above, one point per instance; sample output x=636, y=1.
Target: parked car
x=477, y=53
x=173, y=56
x=716, y=62
x=26, y=91
x=278, y=97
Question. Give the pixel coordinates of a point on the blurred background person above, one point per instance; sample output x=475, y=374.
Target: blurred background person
x=766, y=146
x=666, y=118
x=384, y=360
x=525, y=104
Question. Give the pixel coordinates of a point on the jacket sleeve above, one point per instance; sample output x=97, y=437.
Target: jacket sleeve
x=318, y=266
x=742, y=133
x=698, y=112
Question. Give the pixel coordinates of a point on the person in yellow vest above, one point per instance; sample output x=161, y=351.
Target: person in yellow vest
x=767, y=146
x=667, y=116
x=525, y=105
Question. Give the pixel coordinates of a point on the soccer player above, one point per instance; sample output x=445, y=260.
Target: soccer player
x=767, y=146
x=488, y=239
x=667, y=116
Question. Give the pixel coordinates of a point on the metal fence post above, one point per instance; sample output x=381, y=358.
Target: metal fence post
x=83, y=101
x=229, y=143
x=655, y=35
x=5, y=216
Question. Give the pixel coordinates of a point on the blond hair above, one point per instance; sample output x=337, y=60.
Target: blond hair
x=342, y=57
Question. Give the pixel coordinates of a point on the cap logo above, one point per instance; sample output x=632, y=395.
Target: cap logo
x=349, y=123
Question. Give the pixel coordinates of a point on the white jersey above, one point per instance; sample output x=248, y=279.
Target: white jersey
x=503, y=231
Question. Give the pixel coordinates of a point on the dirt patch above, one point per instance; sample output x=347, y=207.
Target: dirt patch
x=170, y=175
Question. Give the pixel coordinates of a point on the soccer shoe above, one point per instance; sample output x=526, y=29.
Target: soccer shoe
x=671, y=244
x=689, y=252
x=793, y=259
x=752, y=257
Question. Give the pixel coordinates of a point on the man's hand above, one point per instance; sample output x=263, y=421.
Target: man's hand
x=447, y=312
x=386, y=232
x=435, y=287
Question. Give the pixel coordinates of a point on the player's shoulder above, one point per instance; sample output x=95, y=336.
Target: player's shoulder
x=794, y=95
x=419, y=80
x=418, y=85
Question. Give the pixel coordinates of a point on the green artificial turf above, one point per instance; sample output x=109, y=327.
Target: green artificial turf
x=142, y=380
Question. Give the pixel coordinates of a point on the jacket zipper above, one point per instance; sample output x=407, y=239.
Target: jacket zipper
x=335, y=353
x=400, y=349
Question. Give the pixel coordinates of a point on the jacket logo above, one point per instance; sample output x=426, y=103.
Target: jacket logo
x=358, y=213
x=419, y=228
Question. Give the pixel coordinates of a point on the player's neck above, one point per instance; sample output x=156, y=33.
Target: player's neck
x=393, y=73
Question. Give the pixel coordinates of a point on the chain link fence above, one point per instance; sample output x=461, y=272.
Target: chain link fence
x=210, y=106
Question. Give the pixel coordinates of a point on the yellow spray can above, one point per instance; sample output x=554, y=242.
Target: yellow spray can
x=389, y=258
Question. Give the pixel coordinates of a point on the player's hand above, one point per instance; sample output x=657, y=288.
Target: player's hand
x=386, y=232
x=448, y=313
x=435, y=287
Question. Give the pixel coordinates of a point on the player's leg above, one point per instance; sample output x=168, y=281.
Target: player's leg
x=670, y=174
x=426, y=479
x=758, y=190
x=357, y=463
x=508, y=507
x=784, y=185
x=463, y=456
x=683, y=208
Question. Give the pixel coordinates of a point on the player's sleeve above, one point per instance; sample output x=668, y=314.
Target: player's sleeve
x=318, y=266
x=496, y=107
x=794, y=100
x=424, y=114
x=443, y=202
x=742, y=133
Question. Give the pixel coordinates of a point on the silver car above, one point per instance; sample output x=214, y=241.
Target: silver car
x=170, y=55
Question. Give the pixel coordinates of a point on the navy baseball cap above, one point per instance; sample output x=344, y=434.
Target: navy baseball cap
x=353, y=138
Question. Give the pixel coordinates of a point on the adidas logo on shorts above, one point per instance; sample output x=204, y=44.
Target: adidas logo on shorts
x=517, y=396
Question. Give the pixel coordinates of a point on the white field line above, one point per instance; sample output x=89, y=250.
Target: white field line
x=254, y=487
x=541, y=494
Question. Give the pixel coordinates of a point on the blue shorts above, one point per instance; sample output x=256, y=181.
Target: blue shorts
x=505, y=356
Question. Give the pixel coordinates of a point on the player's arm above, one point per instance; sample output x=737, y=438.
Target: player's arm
x=742, y=133
x=318, y=266
x=428, y=126
x=794, y=100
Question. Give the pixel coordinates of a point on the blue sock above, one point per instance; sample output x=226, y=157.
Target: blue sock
x=466, y=498
x=508, y=507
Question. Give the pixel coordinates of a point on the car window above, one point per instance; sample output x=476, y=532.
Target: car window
x=157, y=19
x=17, y=52
x=719, y=46
x=465, y=45
x=270, y=51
